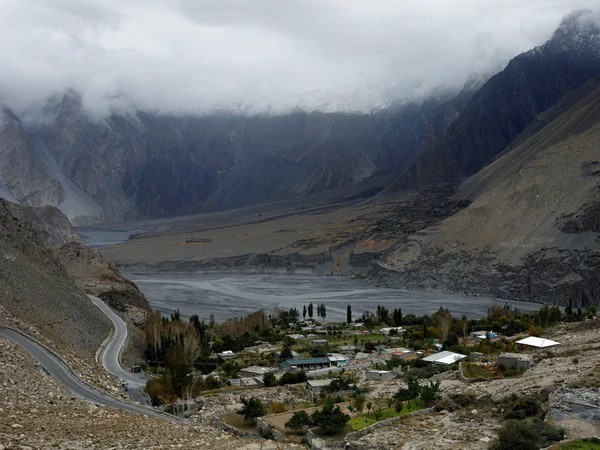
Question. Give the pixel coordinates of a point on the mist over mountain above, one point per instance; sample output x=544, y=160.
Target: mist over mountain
x=195, y=57
x=531, y=83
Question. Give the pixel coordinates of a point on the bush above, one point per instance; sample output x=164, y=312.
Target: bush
x=519, y=408
x=429, y=392
x=160, y=390
x=269, y=379
x=277, y=407
x=292, y=378
x=547, y=433
x=516, y=435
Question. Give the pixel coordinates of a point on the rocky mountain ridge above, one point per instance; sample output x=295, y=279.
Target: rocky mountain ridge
x=149, y=165
x=493, y=117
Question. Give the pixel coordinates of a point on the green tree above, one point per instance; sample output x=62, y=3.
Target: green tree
x=359, y=402
x=569, y=310
x=298, y=421
x=304, y=312
x=292, y=378
x=269, y=379
x=310, y=310
x=286, y=352
x=230, y=368
x=397, y=317
x=409, y=393
x=348, y=314
x=429, y=392
x=330, y=419
x=251, y=409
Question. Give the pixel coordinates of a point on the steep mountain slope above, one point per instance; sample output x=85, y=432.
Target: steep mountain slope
x=150, y=165
x=531, y=231
x=531, y=83
x=23, y=176
x=35, y=289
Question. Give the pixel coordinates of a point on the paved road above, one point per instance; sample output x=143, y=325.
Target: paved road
x=111, y=351
x=58, y=369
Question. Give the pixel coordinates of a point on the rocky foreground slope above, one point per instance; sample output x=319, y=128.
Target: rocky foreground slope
x=37, y=412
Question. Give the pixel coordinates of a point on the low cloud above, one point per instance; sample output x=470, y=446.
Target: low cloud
x=190, y=56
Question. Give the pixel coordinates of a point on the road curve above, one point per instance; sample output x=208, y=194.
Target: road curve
x=57, y=368
x=111, y=351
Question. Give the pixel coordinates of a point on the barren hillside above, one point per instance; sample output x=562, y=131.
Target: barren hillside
x=532, y=229
x=35, y=288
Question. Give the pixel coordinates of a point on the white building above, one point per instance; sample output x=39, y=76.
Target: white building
x=445, y=358
x=537, y=342
x=227, y=354
x=386, y=330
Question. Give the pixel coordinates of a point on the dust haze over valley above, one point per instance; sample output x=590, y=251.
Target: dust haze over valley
x=428, y=173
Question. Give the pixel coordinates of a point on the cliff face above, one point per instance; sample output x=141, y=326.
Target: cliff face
x=148, y=165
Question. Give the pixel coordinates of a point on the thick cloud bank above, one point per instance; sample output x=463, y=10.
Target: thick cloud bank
x=194, y=56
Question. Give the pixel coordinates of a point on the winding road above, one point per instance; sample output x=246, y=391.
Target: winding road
x=57, y=368
x=111, y=350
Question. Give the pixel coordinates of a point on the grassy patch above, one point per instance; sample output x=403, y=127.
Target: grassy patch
x=581, y=444
x=237, y=421
x=480, y=371
x=366, y=420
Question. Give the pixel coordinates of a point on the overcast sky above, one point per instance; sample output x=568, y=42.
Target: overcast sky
x=194, y=56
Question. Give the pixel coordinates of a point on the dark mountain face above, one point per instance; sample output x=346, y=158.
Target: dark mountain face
x=156, y=166
x=531, y=83
x=148, y=165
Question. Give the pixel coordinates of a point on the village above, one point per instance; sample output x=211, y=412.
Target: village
x=331, y=384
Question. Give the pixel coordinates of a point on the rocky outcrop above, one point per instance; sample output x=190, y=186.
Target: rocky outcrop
x=98, y=277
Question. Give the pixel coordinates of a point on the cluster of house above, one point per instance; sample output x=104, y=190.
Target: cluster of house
x=349, y=357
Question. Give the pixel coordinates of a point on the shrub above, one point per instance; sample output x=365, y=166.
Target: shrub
x=269, y=379
x=429, y=392
x=522, y=407
x=277, y=407
x=292, y=378
x=547, y=432
x=159, y=389
x=516, y=435
x=359, y=402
